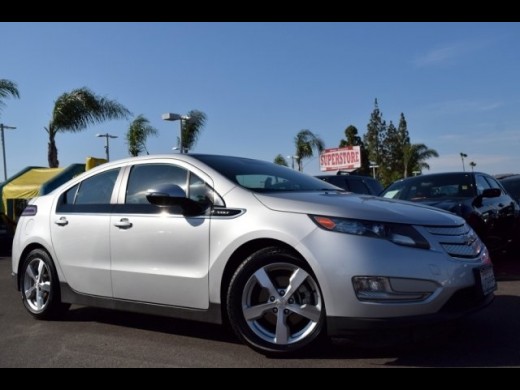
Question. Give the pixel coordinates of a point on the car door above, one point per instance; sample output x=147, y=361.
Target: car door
x=80, y=231
x=159, y=255
x=507, y=212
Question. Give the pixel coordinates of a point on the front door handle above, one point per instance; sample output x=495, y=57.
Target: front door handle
x=124, y=223
x=62, y=222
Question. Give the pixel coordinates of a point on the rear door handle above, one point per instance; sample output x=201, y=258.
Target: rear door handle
x=124, y=223
x=62, y=222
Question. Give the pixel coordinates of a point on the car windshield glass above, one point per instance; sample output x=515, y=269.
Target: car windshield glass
x=432, y=186
x=262, y=176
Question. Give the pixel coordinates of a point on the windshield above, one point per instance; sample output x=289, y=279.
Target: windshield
x=449, y=185
x=264, y=177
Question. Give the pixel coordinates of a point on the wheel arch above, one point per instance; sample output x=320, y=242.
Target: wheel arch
x=242, y=253
x=28, y=249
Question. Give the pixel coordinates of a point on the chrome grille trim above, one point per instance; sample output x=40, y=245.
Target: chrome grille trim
x=460, y=242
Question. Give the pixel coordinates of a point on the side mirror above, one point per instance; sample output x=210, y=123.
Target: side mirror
x=487, y=193
x=166, y=195
x=171, y=195
x=491, y=193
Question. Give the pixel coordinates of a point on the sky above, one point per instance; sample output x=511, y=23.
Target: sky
x=259, y=84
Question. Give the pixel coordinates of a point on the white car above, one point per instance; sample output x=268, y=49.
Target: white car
x=281, y=256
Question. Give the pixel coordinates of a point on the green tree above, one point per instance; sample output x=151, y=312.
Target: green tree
x=375, y=137
x=306, y=144
x=280, y=160
x=138, y=132
x=74, y=111
x=352, y=138
x=415, y=157
x=7, y=89
x=191, y=128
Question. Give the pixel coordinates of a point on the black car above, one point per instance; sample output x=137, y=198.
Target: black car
x=512, y=185
x=354, y=183
x=477, y=197
x=6, y=236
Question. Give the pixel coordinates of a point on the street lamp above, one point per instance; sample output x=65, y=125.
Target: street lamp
x=107, y=145
x=292, y=158
x=2, y=127
x=176, y=117
x=472, y=165
x=462, y=155
x=373, y=165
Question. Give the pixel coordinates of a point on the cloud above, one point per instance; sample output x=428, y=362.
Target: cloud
x=458, y=106
x=448, y=54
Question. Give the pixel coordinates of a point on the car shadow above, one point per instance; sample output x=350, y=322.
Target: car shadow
x=486, y=339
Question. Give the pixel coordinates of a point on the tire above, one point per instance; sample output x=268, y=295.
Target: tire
x=266, y=312
x=40, y=287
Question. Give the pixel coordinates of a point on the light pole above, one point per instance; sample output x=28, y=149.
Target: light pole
x=176, y=117
x=472, y=165
x=373, y=166
x=2, y=127
x=462, y=156
x=107, y=144
x=292, y=158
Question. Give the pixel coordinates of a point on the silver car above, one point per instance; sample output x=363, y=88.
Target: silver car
x=281, y=256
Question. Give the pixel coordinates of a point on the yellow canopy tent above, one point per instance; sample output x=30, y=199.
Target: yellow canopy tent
x=27, y=186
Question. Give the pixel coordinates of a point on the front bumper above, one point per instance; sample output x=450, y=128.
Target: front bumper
x=464, y=302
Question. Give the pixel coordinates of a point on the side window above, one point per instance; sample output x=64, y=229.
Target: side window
x=147, y=176
x=493, y=183
x=482, y=184
x=201, y=192
x=96, y=189
x=92, y=195
x=358, y=187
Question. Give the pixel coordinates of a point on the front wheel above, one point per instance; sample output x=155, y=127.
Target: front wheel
x=40, y=286
x=274, y=302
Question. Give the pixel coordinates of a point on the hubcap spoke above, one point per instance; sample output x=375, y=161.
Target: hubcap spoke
x=282, y=330
x=297, y=278
x=30, y=273
x=39, y=300
x=264, y=281
x=29, y=292
x=46, y=287
x=255, y=312
x=41, y=266
x=308, y=311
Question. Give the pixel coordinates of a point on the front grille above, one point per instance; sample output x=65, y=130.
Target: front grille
x=458, y=241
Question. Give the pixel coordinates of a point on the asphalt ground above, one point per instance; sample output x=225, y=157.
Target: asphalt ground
x=88, y=337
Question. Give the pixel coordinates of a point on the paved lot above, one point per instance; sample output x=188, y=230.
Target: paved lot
x=97, y=338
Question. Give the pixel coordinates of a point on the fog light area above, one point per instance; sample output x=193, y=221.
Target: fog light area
x=379, y=289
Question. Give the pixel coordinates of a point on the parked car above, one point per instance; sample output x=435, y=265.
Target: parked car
x=354, y=183
x=6, y=236
x=477, y=197
x=281, y=256
x=512, y=185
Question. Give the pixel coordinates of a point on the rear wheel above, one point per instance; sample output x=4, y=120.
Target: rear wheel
x=40, y=286
x=274, y=302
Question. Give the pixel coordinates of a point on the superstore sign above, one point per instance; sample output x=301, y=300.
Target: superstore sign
x=341, y=159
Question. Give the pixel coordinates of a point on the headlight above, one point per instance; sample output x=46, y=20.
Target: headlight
x=398, y=234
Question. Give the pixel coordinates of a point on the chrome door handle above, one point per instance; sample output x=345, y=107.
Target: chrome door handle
x=62, y=222
x=124, y=224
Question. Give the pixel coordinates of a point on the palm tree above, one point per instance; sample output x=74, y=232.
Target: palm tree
x=191, y=129
x=280, y=160
x=7, y=88
x=74, y=111
x=306, y=143
x=415, y=156
x=138, y=132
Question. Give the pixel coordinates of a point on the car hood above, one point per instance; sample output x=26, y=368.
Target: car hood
x=348, y=205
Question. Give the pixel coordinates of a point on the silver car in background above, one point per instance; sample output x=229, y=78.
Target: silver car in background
x=281, y=256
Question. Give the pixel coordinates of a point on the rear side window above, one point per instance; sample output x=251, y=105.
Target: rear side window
x=91, y=195
x=358, y=187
